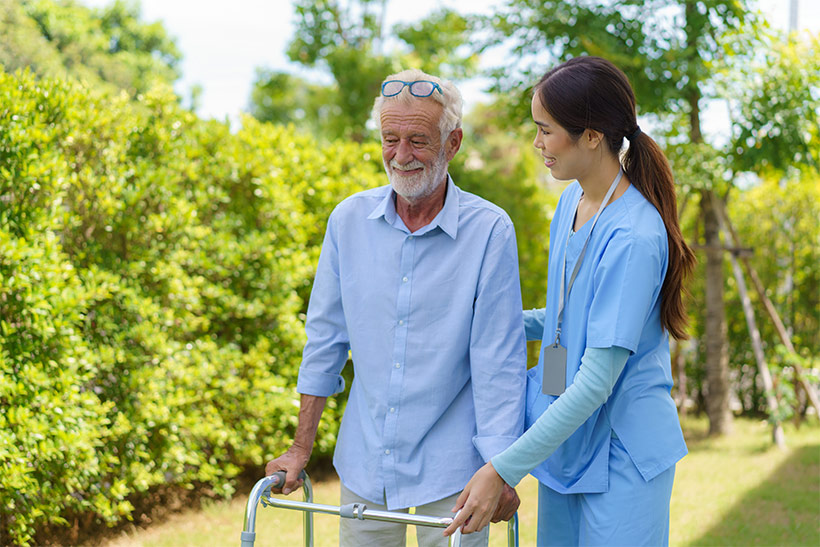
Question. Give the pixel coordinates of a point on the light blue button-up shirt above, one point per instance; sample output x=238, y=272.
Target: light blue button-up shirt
x=434, y=324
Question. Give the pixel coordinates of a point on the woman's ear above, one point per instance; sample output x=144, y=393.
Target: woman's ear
x=592, y=138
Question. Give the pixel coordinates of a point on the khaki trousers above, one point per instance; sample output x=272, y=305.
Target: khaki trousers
x=373, y=533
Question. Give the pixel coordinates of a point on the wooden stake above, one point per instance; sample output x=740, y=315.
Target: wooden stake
x=770, y=309
x=771, y=401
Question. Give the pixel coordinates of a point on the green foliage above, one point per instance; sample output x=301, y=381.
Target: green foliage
x=662, y=46
x=108, y=47
x=153, y=275
x=345, y=39
x=439, y=44
x=777, y=220
x=281, y=98
x=773, y=92
x=698, y=166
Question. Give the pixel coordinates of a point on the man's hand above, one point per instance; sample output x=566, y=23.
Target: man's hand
x=507, y=504
x=292, y=462
x=295, y=459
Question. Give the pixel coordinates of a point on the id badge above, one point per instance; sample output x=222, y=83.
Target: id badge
x=555, y=369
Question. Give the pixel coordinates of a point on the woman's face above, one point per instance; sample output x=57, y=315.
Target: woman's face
x=564, y=157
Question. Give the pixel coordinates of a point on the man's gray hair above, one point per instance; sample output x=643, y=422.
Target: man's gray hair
x=449, y=98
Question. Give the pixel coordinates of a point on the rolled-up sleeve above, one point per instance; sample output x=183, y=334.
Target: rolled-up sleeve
x=498, y=351
x=328, y=343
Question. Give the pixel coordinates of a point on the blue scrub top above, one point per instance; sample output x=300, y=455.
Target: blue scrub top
x=615, y=301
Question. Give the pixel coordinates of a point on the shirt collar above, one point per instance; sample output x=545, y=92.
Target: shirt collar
x=446, y=219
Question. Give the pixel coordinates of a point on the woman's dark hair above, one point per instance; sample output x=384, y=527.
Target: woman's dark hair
x=592, y=93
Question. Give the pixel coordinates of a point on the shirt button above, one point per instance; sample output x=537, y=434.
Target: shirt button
x=409, y=237
x=404, y=279
x=401, y=321
x=397, y=365
x=392, y=409
x=387, y=451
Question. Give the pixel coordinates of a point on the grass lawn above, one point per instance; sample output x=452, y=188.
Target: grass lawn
x=737, y=490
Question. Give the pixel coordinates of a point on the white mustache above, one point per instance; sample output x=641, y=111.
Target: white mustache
x=415, y=164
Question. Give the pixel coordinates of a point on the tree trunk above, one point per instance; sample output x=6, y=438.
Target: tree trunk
x=716, y=389
x=715, y=343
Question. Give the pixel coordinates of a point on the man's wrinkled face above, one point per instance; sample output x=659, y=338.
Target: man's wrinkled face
x=413, y=154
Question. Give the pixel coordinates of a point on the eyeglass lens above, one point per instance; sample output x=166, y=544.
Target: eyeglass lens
x=421, y=88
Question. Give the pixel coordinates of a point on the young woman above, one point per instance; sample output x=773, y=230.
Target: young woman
x=603, y=432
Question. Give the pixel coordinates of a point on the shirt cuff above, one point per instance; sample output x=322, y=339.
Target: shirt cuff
x=319, y=384
x=490, y=446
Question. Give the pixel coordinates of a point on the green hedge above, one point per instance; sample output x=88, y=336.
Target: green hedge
x=153, y=270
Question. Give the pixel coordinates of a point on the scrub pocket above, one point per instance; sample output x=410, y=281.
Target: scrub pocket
x=537, y=402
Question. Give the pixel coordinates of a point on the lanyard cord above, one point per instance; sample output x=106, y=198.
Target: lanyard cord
x=563, y=296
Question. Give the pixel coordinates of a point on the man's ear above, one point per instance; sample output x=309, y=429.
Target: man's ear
x=453, y=143
x=592, y=138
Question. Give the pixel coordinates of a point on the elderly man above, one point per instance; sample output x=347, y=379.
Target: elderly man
x=419, y=281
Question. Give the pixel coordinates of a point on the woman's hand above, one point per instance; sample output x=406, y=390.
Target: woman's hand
x=477, y=502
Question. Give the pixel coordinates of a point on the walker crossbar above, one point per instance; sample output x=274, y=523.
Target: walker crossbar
x=261, y=492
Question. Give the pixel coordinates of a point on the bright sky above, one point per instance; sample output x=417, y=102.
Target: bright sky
x=223, y=42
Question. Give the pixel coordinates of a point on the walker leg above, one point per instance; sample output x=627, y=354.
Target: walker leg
x=262, y=487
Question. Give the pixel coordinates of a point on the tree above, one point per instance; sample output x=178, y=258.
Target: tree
x=346, y=40
x=282, y=98
x=671, y=51
x=776, y=220
x=774, y=100
x=107, y=47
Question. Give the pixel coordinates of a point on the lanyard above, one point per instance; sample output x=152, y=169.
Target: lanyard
x=563, y=296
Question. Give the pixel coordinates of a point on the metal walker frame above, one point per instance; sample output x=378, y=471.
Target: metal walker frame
x=262, y=492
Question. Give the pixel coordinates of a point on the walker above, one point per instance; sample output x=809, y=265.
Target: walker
x=262, y=492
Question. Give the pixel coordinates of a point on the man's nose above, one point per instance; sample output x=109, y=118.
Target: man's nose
x=404, y=153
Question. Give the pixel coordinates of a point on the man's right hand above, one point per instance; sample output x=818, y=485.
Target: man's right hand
x=295, y=459
x=292, y=462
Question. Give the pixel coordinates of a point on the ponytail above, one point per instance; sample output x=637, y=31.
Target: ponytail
x=649, y=172
x=592, y=93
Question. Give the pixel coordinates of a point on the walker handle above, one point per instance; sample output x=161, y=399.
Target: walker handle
x=280, y=476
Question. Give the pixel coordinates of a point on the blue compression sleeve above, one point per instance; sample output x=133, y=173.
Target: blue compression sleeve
x=534, y=324
x=600, y=369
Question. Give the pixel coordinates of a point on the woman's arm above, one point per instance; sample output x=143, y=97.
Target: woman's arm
x=534, y=324
x=599, y=371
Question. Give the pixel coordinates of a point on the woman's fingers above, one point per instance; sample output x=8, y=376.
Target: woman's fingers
x=459, y=519
x=479, y=518
x=474, y=515
x=462, y=498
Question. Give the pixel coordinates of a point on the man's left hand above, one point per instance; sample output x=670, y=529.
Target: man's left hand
x=507, y=504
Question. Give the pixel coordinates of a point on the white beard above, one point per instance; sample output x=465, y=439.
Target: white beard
x=419, y=186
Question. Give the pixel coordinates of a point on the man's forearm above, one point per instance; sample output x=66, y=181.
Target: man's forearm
x=310, y=412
